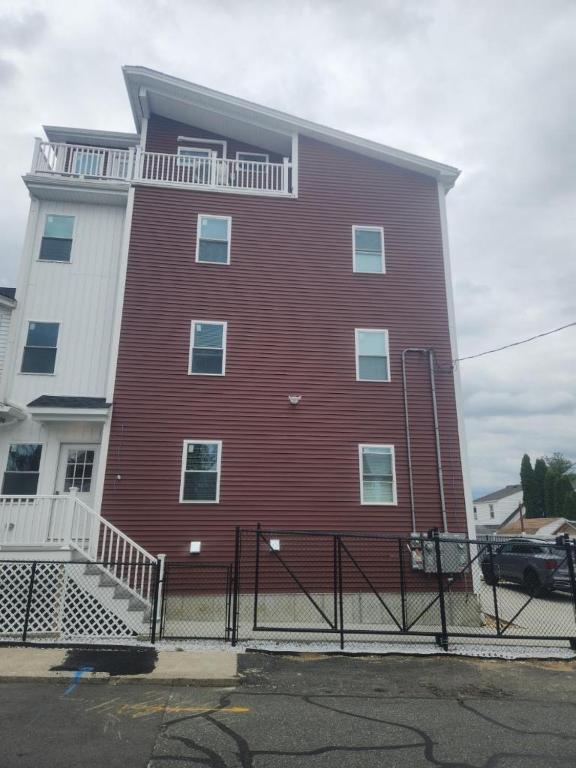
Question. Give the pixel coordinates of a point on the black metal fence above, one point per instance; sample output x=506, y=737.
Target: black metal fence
x=307, y=585
x=76, y=602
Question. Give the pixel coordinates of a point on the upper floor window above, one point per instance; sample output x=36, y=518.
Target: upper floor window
x=377, y=474
x=213, y=239
x=372, y=355
x=253, y=157
x=57, y=240
x=22, y=469
x=207, y=348
x=368, y=247
x=41, y=346
x=491, y=508
x=200, y=481
x=188, y=155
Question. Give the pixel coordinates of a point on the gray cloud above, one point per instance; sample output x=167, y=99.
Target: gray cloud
x=487, y=86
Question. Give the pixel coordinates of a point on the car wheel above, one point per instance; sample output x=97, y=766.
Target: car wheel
x=532, y=583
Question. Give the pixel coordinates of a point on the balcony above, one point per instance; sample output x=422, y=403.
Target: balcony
x=215, y=174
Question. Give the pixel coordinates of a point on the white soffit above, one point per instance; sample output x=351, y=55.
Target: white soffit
x=152, y=91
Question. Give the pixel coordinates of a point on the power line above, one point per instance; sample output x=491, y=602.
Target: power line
x=515, y=343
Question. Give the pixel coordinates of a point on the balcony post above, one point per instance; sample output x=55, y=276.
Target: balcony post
x=36, y=154
x=70, y=507
x=137, y=170
x=285, y=167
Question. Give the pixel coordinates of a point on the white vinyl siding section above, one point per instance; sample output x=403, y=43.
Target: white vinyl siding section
x=79, y=295
x=377, y=474
x=201, y=469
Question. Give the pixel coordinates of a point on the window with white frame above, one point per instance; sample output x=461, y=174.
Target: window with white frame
x=253, y=157
x=491, y=508
x=368, y=248
x=372, y=355
x=213, y=239
x=201, y=471
x=56, y=242
x=377, y=474
x=189, y=155
x=41, y=347
x=207, y=347
x=22, y=469
x=475, y=514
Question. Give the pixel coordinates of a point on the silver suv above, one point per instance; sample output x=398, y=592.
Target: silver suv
x=540, y=566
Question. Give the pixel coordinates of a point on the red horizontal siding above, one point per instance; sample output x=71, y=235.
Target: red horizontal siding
x=292, y=303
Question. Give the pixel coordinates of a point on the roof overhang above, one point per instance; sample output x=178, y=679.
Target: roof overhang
x=7, y=302
x=112, y=139
x=150, y=92
x=49, y=408
x=74, y=190
x=10, y=413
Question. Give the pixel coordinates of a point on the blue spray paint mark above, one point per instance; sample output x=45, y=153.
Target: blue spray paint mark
x=77, y=677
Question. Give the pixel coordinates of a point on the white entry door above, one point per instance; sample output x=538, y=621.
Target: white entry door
x=77, y=469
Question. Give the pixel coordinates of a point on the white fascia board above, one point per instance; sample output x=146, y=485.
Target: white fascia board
x=114, y=139
x=172, y=87
x=69, y=414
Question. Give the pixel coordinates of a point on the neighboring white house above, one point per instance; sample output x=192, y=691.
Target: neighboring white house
x=491, y=510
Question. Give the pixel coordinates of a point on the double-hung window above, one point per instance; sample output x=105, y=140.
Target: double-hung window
x=213, y=239
x=201, y=471
x=41, y=347
x=57, y=239
x=189, y=155
x=207, y=348
x=252, y=157
x=377, y=474
x=372, y=355
x=22, y=469
x=368, y=249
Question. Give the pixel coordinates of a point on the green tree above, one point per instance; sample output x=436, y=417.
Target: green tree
x=569, y=507
x=560, y=465
x=540, y=472
x=528, y=486
x=550, y=495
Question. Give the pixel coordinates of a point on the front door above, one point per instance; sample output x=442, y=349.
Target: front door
x=77, y=469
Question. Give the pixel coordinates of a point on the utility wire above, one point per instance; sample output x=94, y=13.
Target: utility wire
x=515, y=343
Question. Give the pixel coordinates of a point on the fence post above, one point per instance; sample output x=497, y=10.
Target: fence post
x=236, y=586
x=340, y=592
x=29, y=601
x=257, y=575
x=570, y=562
x=158, y=596
x=441, y=639
x=494, y=590
x=335, y=579
x=402, y=585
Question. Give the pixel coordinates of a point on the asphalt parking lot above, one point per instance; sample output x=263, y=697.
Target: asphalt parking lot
x=311, y=711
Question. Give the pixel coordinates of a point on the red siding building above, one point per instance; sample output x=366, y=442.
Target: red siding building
x=263, y=252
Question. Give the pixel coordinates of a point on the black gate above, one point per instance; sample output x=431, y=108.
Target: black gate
x=196, y=601
x=317, y=586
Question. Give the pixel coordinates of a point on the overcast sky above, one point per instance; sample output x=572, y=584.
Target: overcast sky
x=487, y=86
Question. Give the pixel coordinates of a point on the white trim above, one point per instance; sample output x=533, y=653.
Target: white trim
x=457, y=383
x=144, y=134
x=183, y=470
x=394, y=501
x=57, y=347
x=210, y=188
x=206, y=141
x=211, y=216
x=51, y=413
x=265, y=155
x=357, y=356
x=294, y=160
x=43, y=235
x=224, y=325
x=382, y=271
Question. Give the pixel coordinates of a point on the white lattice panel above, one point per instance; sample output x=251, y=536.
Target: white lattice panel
x=87, y=616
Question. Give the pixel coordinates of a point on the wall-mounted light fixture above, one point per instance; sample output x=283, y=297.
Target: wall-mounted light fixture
x=294, y=399
x=195, y=547
x=275, y=545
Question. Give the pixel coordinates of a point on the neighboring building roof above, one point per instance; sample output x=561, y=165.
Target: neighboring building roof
x=509, y=490
x=10, y=293
x=68, y=401
x=150, y=91
x=536, y=526
x=114, y=139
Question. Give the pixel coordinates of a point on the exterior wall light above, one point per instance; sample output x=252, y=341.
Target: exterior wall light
x=275, y=545
x=195, y=547
x=294, y=399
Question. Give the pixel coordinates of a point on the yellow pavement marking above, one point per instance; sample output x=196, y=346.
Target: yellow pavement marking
x=141, y=710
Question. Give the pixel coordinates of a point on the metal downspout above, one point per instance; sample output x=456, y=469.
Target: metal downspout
x=431, y=365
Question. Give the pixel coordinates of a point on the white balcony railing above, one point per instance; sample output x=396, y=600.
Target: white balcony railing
x=64, y=521
x=133, y=165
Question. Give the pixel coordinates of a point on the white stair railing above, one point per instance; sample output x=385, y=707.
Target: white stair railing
x=66, y=521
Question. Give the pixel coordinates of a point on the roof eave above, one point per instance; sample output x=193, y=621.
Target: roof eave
x=137, y=78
